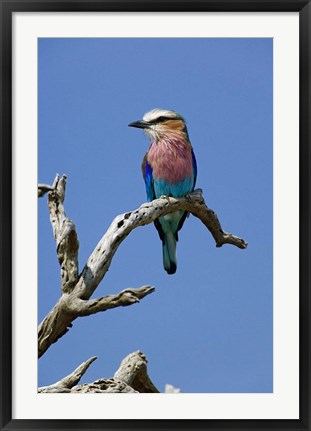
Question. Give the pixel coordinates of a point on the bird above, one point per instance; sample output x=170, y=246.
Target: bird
x=169, y=168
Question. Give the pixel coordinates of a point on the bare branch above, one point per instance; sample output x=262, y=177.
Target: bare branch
x=104, y=386
x=126, y=297
x=77, y=289
x=71, y=380
x=99, y=261
x=54, y=325
x=133, y=371
x=69, y=307
x=43, y=189
x=131, y=377
x=65, y=235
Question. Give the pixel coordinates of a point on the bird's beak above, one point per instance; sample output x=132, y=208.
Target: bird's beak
x=140, y=124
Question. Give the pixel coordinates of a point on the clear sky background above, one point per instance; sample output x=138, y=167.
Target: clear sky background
x=208, y=328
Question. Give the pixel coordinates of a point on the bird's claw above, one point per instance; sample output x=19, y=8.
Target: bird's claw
x=188, y=196
x=165, y=197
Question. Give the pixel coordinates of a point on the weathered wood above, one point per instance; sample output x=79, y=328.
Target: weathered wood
x=71, y=380
x=104, y=386
x=131, y=377
x=43, y=189
x=69, y=307
x=133, y=371
x=78, y=288
x=65, y=235
x=126, y=297
x=100, y=259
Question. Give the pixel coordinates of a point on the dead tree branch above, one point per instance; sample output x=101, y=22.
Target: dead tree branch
x=126, y=297
x=65, y=235
x=69, y=307
x=99, y=261
x=131, y=377
x=133, y=371
x=71, y=304
x=71, y=380
x=43, y=189
x=78, y=288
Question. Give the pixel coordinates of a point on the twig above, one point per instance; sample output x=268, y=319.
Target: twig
x=71, y=380
x=43, y=189
x=126, y=297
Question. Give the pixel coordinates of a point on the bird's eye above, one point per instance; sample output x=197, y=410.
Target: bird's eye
x=160, y=119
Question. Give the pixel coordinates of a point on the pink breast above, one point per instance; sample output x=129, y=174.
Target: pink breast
x=171, y=161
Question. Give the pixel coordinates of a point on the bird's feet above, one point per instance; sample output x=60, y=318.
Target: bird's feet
x=165, y=197
x=196, y=193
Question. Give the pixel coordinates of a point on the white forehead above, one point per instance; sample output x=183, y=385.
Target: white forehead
x=156, y=113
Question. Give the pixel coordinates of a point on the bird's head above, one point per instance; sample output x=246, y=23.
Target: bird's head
x=161, y=123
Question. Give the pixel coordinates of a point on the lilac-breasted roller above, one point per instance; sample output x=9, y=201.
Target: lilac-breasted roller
x=169, y=169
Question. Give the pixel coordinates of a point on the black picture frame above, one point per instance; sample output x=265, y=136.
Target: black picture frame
x=8, y=7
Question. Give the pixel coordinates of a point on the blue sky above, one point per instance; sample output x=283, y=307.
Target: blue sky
x=208, y=328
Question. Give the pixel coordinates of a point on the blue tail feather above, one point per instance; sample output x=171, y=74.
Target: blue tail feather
x=169, y=253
